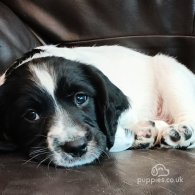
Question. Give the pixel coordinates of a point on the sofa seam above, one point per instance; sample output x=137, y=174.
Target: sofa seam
x=130, y=36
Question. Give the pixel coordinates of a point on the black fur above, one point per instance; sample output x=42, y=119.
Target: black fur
x=111, y=102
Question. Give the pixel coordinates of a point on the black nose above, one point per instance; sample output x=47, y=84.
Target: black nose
x=76, y=148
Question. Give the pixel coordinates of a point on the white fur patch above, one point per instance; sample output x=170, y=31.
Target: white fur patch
x=63, y=129
x=2, y=79
x=44, y=79
x=143, y=79
x=123, y=140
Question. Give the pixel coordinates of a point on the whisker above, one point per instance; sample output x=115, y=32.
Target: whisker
x=101, y=150
x=49, y=162
x=96, y=157
x=36, y=147
x=37, y=151
x=34, y=157
x=43, y=161
x=42, y=136
x=55, y=166
x=107, y=154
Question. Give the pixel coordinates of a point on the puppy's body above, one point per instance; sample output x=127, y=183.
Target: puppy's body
x=153, y=101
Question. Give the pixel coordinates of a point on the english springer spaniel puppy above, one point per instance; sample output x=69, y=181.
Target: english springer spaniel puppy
x=66, y=106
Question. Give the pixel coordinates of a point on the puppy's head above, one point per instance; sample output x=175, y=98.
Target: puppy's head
x=60, y=111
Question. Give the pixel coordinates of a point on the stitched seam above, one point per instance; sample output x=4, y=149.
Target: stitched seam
x=131, y=36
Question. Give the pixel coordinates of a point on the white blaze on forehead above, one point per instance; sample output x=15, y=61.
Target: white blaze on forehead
x=43, y=78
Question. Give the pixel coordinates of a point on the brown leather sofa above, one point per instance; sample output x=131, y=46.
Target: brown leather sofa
x=150, y=26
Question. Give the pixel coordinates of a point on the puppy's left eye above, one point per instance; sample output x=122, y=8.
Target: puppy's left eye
x=31, y=115
x=81, y=98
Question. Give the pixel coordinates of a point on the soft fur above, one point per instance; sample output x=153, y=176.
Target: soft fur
x=66, y=106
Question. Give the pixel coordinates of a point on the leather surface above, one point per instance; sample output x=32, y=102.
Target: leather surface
x=147, y=26
x=165, y=26
x=91, y=19
x=15, y=38
x=122, y=173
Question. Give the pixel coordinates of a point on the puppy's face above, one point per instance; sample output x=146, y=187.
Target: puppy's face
x=60, y=111
x=50, y=109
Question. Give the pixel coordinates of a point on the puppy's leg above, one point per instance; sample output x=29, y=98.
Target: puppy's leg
x=147, y=133
x=151, y=133
x=177, y=89
x=180, y=135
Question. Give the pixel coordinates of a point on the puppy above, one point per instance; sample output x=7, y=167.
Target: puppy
x=66, y=106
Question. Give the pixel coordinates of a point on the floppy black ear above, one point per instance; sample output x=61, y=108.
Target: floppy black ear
x=5, y=144
x=110, y=100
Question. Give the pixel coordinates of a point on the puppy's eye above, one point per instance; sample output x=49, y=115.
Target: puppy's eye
x=81, y=99
x=31, y=115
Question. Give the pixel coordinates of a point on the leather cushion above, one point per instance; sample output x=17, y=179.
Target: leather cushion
x=121, y=173
x=15, y=38
x=92, y=19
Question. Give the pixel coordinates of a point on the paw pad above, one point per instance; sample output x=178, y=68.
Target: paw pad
x=187, y=133
x=174, y=135
x=177, y=136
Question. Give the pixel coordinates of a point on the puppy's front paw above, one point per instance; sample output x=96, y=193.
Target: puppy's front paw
x=177, y=136
x=145, y=134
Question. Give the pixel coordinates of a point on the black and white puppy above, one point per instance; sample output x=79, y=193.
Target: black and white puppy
x=67, y=105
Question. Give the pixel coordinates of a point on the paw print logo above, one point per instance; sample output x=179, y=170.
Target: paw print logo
x=159, y=170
